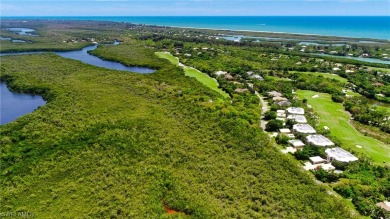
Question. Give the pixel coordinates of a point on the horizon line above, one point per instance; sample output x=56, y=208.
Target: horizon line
x=195, y=16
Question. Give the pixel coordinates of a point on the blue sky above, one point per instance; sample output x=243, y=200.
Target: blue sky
x=192, y=7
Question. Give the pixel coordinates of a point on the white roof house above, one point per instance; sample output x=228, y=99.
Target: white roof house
x=284, y=131
x=304, y=128
x=289, y=150
x=340, y=154
x=274, y=94
x=298, y=118
x=385, y=205
x=296, y=110
x=258, y=77
x=296, y=143
x=279, y=99
x=327, y=166
x=316, y=160
x=291, y=136
x=281, y=114
x=284, y=103
x=319, y=140
x=218, y=73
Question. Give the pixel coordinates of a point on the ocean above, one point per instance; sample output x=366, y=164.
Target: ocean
x=346, y=26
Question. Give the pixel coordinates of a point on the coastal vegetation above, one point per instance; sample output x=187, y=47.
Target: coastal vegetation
x=118, y=144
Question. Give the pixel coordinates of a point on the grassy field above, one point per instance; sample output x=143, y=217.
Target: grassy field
x=170, y=57
x=325, y=75
x=351, y=93
x=191, y=72
x=387, y=109
x=336, y=118
x=278, y=78
x=379, y=69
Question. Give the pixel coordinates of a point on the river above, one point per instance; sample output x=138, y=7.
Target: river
x=370, y=60
x=14, y=105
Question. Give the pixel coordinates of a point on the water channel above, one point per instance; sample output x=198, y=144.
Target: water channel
x=13, y=105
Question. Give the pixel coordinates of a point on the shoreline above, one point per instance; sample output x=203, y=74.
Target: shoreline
x=375, y=40
x=107, y=19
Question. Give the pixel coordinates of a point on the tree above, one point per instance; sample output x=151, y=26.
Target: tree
x=274, y=125
x=337, y=98
x=270, y=115
x=282, y=139
x=363, y=205
x=325, y=176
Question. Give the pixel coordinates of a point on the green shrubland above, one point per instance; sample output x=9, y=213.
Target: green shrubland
x=125, y=145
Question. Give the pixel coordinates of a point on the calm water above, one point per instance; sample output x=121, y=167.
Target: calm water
x=85, y=57
x=376, y=27
x=22, y=31
x=15, y=105
x=5, y=38
x=371, y=60
x=12, y=40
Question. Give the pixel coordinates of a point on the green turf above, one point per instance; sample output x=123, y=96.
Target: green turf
x=191, y=72
x=354, y=94
x=325, y=75
x=387, y=109
x=334, y=116
x=168, y=56
x=379, y=69
x=278, y=78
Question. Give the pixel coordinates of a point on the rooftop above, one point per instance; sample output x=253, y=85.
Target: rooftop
x=327, y=166
x=289, y=149
x=304, y=128
x=298, y=118
x=258, y=77
x=296, y=143
x=279, y=99
x=310, y=166
x=284, y=130
x=274, y=94
x=385, y=205
x=241, y=90
x=284, y=103
x=316, y=159
x=228, y=76
x=291, y=135
x=340, y=154
x=319, y=140
x=296, y=110
x=220, y=73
